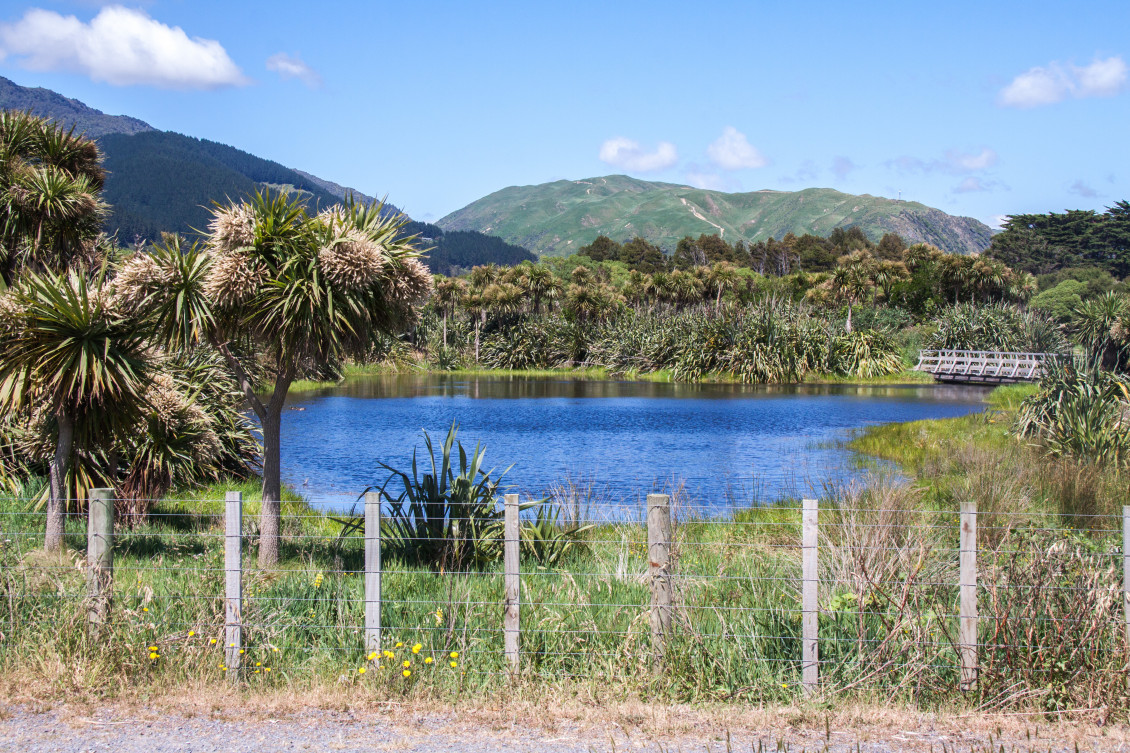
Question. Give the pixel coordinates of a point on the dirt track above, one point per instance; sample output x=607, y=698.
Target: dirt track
x=140, y=730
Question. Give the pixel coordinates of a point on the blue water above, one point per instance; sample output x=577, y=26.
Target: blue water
x=722, y=444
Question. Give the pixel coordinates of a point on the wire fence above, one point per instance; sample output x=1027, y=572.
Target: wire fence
x=849, y=595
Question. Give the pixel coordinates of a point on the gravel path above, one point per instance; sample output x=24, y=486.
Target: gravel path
x=29, y=731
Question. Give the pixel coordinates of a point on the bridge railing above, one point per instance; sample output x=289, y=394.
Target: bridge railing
x=984, y=364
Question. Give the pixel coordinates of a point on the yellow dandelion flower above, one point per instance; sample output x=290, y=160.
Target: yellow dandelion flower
x=454, y=664
x=454, y=654
x=152, y=648
x=241, y=651
x=191, y=633
x=406, y=664
x=258, y=664
x=152, y=654
x=439, y=616
x=407, y=673
x=360, y=670
x=213, y=641
x=428, y=660
x=145, y=609
x=416, y=648
x=275, y=649
x=372, y=656
x=399, y=644
x=266, y=669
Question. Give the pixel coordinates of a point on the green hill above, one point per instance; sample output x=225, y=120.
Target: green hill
x=160, y=181
x=556, y=219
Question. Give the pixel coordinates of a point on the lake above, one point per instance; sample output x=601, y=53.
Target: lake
x=720, y=444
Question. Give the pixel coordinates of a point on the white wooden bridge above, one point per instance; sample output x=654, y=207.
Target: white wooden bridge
x=983, y=365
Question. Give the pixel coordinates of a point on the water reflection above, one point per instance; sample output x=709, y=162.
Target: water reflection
x=723, y=444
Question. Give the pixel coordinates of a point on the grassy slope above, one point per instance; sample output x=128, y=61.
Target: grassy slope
x=558, y=218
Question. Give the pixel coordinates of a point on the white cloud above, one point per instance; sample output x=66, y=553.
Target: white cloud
x=970, y=185
x=1046, y=85
x=1079, y=188
x=710, y=180
x=732, y=151
x=120, y=46
x=969, y=161
x=954, y=162
x=629, y=155
x=842, y=167
x=292, y=66
x=806, y=173
x=996, y=222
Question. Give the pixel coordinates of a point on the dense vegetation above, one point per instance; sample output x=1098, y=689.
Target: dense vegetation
x=1077, y=238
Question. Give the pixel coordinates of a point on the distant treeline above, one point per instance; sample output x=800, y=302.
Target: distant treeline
x=1078, y=238
x=457, y=251
x=791, y=254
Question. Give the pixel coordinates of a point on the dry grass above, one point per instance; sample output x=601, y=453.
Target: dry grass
x=584, y=715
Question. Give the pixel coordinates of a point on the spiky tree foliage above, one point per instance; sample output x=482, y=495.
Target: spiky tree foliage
x=78, y=364
x=1081, y=412
x=539, y=284
x=722, y=277
x=278, y=292
x=50, y=181
x=996, y=327
x=1102, y=326
x=446, y=296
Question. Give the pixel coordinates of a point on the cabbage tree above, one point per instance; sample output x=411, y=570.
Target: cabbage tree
x=281, y=293
x=50, y=207
x=77, y=365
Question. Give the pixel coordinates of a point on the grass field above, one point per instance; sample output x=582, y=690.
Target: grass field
x=1051, y=612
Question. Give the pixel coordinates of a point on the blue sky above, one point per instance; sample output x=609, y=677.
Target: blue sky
x=980, y=109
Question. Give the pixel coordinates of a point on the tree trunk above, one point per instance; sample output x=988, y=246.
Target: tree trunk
x=271, y=511
x=847, y=328
x=718, y=301
x=270, y=514
x=57, y=502
x=445, y=328
x=477, y=327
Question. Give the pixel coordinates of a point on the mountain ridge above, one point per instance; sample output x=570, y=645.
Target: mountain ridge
x=556, y=218
x=162, y=181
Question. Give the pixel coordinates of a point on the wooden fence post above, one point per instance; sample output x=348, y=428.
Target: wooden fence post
x=511, y=564
x=809, y=597
x=659, y=565
x=1126, y=570
x=967, y=631
x=372, y=571
x=99, y=558
x=233, y=586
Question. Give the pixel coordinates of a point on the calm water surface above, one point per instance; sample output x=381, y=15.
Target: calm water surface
x=725, y=444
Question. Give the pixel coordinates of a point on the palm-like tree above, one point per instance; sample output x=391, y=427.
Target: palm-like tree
x=851, y=280
x=540, y=284
x=475, y=304
x=72, y=354
x=722, y=276
x=50, y=210
x=283, y=292
x=448, y=290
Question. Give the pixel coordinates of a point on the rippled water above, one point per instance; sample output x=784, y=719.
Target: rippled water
x=724, y=444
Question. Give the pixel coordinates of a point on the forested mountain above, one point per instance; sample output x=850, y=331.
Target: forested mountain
x=558, y=218
x=49, y=104
x=160, y=181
